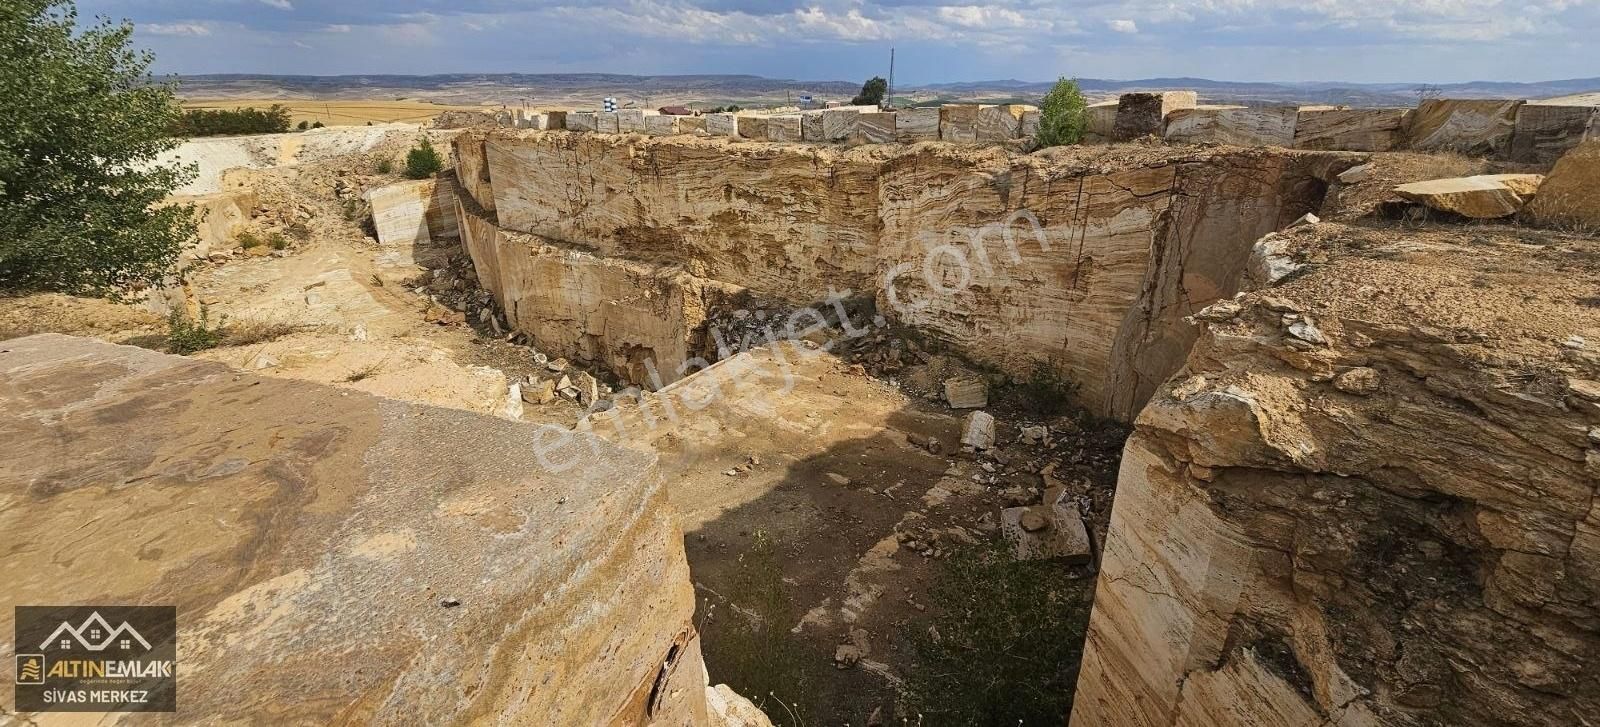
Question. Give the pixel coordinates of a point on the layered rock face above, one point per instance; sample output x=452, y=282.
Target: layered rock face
x=1369, y=498
x=1080, y=261
x=334, y=557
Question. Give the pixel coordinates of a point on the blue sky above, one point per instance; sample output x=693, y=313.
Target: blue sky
x=937, y=40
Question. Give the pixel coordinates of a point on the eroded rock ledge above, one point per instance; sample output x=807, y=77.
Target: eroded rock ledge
x=1368, y=498
x=1129, y=240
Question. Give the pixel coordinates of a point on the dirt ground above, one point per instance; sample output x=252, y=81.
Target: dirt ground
x=339, y=112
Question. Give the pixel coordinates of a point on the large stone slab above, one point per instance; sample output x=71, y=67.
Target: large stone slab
x=917, y=124
x=1000, y=123
x=335, y=557
x=414, y=212
x=1337, y=129
x=1100, y=122
x=606, y=122
x=839, y=124
x=555, y=120
x=1031, y=119
x=1145, y=114
x=630, y=121
x=722, y=124
x=1544, y=132
x=811, y=128
x=753, y=127
x=1486, y=196
x=959, y=122
x=1570, y=196
x=691, y=124
x=1269, y=126
x=661, y=124
x=1470, y=126
x=876, y=127
x=784, y=127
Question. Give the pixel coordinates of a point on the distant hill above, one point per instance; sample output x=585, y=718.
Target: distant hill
x=586, y=89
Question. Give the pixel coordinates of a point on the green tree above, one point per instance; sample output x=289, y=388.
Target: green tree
x=872, y=92
x=81, y=127
x=1062, y=115
x=423, y=160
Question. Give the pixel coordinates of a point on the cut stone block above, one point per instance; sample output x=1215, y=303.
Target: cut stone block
x=1336, y=129
x=722, y=124
x=753, y=127
x=661, y=124
x=875, y=128
x=1047, y=531
x=1568, y=197
x=1145, y=114
x=607, y=122
x=1100, y=122
x=1544, y=132
x=630, y=121
x=1237, y=126
x=302, y=531
x=784, y=128
x=555, y=120
x=966, y=393
x=839, y=124
x=1486, y=196
x=1001, y=123
x=1470, y=126
x=958, y=122
x=1030, y=122
x=583, y=121
x=416, y=212
x=979, y=433
x=538, y=122
x=811, y=126
x=917, y=124
x=691, y=124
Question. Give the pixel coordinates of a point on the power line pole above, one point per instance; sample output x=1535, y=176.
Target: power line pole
x=891, y=77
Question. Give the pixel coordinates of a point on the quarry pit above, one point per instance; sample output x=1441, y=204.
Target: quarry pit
x=1327, y=471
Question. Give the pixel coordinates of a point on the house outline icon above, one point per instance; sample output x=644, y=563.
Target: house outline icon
x=94, y=619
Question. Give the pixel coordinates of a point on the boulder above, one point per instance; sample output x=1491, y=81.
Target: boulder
x=1145, y=114
x=784, y=128
x=968, y=392
x=1478, y=127
x=722, y=124
x=1046, y=531
x=1000, y=123
x=1238, y=126
x=958, y=122
x=661, y=124
x=918, y=124
x=1336, y=129
x=839, y=124
x=539, y=391
x=875, y=128
x=979, y=433
x=753, y=127
x=1544, y=132
x=1486, y=196
x=1569, y=196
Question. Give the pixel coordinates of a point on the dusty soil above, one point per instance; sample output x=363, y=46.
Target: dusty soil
x=339, y=112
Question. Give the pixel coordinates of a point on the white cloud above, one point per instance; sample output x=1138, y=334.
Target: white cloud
x=1123, y=26
x=191, y=29
x=279, y=4
x=337, y=28
x=973, y=16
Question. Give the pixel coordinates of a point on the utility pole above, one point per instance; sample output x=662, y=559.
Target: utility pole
x=891, y=77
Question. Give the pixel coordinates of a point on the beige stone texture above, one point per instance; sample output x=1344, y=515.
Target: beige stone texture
x=310, y=537
x=958, y=122
x=661, y=124
x=1544, y=132
x=877, y=127
x=414, y=212
x=1145, y=114
x=1420, y=551
x=811, y=127
x=784, y=127
x=1260, y=126
x=1341, y=129
x=1570, y=195
x=839, y=124
x=1476, y=127
x=691, y=124
x=630, y=121
x=583, y=121
x=1000, y=123
x=753, y=127
x=725, y=125
x=607, y=122
x=1486, y=196
x=555, y=120
x=472, y=168
x=1031, y=119
x=219, y=218
x=1100, y=122
x=917, y=124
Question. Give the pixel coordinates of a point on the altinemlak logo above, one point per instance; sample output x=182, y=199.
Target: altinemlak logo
x=96, y=659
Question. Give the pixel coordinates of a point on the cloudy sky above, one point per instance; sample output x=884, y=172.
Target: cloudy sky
x=937, y=40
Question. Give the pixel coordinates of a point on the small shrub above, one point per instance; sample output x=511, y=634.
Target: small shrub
x=249, y=239
x=253, y=332
x=186, y=335
x=1006, y=645
x=316, y=125
x=423, y=160
x=303, y=125
x=1062, y=115
x=386, y=166
x=277, y=241
x=1045, y=392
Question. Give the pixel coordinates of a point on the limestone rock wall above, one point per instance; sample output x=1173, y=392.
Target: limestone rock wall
x=1125, y=246
x=414, y=212
x=1368, y=499
x=335, y=557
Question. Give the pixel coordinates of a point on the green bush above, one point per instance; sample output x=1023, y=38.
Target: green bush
x=1062, y=115
x=249, y=120
x=872, y=92
x=81, y=195
x=385, y=166
x=423, y=160
x=1005, y=647
x=316, y=124
x=303, y=125
x=186, y=335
